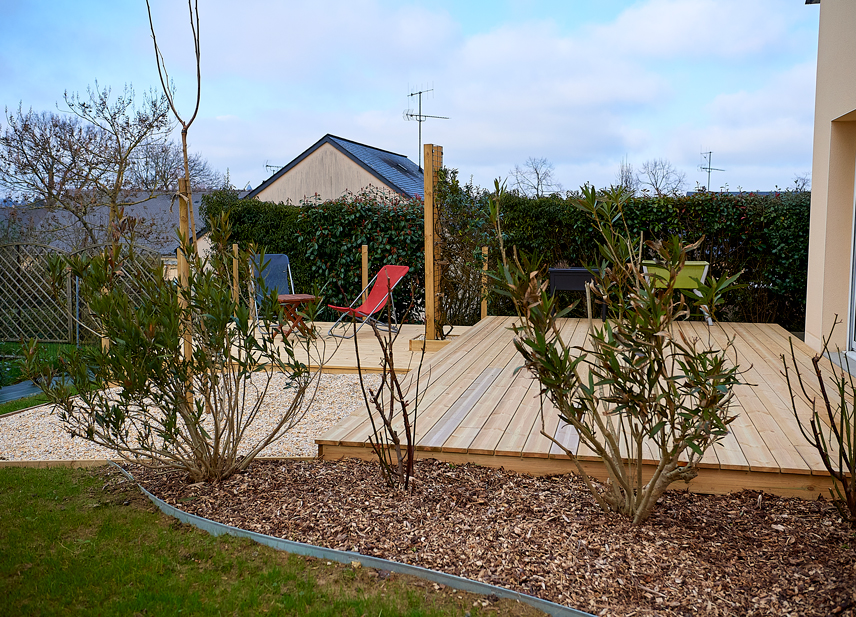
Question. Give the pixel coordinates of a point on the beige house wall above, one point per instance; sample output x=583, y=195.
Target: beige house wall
x=327, y=172
x=832, y=186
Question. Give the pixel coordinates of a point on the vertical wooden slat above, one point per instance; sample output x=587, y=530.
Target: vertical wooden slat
x=69, y=299
x=365, y=254
x=235, y=296
x=433, y=161
x=183, y=267
x=484, y=283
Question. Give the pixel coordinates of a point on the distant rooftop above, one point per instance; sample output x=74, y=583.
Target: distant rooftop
x=395, y=170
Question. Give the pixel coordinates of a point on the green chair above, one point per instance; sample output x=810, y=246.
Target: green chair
x=688, y=278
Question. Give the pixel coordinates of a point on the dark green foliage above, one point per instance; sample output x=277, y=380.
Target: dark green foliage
x=323, y=240
x=332, y=233
x=464, y=228
x=765, y=236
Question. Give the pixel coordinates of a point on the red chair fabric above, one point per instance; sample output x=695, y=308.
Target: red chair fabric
x=382, y=285
x=385, y=281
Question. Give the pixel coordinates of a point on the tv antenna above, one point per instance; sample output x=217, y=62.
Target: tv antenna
x=708, y=168
x=273, y=168
x=420, y=118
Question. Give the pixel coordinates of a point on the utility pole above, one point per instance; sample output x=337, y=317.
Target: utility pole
x=420, y=118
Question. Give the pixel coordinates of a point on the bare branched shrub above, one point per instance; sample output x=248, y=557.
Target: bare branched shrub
x=388, y=404
x=636, y=380
x=832, y=427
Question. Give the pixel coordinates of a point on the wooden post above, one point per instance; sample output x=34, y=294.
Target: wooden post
x=235, y=296
x=105, y=342
x=183, y=276
x=365, y=252
x=433, y=161
x=183, y=268
x=484, y=283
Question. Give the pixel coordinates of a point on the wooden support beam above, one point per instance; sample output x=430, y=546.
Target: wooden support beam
x=433, y=162
x=484, y=283
x=235, y=294
x=365, y=255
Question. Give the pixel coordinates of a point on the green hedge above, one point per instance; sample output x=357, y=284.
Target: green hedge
x=324, y=240
x=766, y=236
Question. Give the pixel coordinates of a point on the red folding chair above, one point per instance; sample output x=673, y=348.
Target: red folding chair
x=379, y=297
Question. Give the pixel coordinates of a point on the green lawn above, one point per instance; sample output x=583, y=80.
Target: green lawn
x=70, y=546
x=22, y=403
x=11, y=371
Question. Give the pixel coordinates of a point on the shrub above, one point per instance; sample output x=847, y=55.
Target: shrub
x=764, y=236
x=832, y=426
x=464, y=228
x=187, y=409
x=332, y=233
x=636, y=380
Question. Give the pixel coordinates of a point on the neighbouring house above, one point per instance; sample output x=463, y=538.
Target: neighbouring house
x=333, y=166
x=831, y=291
x=157, y=216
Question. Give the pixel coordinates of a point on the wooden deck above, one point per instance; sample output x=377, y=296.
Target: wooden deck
x=341, y=354
x=478, y=408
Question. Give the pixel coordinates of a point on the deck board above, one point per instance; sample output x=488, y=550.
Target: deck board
x=573, y=332
x=461, y=440
x=480, y=405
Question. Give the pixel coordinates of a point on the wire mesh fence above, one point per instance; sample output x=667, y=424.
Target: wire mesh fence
x=32, y=308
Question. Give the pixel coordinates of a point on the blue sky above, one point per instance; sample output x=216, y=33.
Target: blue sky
x=582, y=83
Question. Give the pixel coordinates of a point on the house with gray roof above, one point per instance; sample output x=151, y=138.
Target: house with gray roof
x=333, y=166
x=157, y=216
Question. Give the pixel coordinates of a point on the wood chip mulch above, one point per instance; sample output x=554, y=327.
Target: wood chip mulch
x=742, y=554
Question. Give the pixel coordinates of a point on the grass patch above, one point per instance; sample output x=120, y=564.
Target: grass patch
x=80, y=542
x=10, y=368
x=22, y=403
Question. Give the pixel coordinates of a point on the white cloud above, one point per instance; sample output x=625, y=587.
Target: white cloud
x=771, y=125
x=697, y=29
x=662, y=79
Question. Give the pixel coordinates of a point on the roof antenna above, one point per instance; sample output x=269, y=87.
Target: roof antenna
x=273, y=168
x=420, y=118
x=708, y=168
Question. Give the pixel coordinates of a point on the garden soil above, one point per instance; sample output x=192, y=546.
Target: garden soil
x=742, y=554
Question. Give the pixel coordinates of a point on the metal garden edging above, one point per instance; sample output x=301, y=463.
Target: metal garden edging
x=299, y=548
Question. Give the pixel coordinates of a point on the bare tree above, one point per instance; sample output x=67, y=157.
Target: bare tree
x=124, y=128
x=535, y=178
x=802, y=182
x=70, y=175
x=45, y=162
x=161, y=164
x=660, y=177
x=626, y=178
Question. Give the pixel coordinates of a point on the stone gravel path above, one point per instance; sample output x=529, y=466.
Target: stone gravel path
x=37, y=434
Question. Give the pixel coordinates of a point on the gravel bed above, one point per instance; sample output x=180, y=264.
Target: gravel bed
x=37, y=434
